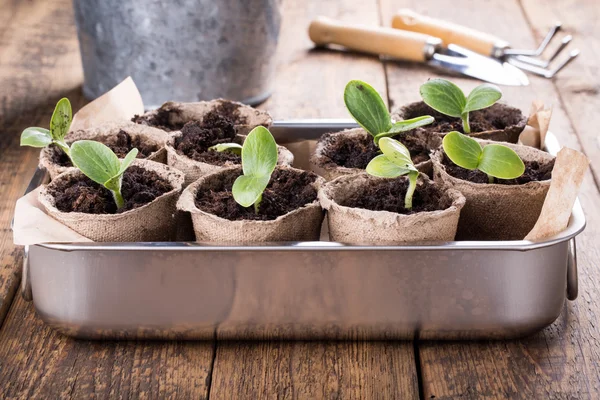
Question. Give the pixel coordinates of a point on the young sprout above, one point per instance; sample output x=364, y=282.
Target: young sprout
x=98, y=162
x=496, y=160
x=232, y=147
x=394, y=162
x=368, y=109
x=447, y=98
x=259, y=158
x=59, y=127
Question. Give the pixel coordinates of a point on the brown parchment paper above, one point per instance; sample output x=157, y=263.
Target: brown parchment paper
x=32, y=224
x=534, y=134
x=567, y=175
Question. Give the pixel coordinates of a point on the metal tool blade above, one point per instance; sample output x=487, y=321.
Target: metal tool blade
x=487, y=69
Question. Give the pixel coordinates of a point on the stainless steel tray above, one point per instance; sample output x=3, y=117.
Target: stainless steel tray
x=308, y=290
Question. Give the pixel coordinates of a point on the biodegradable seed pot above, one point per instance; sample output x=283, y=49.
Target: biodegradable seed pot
x=348, y=152
x=149, y=191
x=364, y=209
x=119, y=137
x=172, y=116
x=289, y=210
x=499, y=122
x=506, y=209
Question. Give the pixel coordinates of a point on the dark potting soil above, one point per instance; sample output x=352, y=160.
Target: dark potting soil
x=356, y=152
x=498, y=116
x=81, y=194
x=197, y=137
x=534, y=171
x=229, y=110
x=388, y=195
x=122, y=143
x=287, y=191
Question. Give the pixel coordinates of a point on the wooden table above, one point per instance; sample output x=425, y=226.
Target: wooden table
x=39, y=63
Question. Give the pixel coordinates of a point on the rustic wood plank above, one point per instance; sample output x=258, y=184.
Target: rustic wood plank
x=39, y=62
x=310, y=83
x=558, y=362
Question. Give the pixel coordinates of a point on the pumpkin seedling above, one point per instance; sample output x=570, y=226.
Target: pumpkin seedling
x=232, y=147
x=394, y=162
x=447, y=98
x=368, y=109
x=259, y=158
x=98, y=162
x=496, y=160
x=59, y=127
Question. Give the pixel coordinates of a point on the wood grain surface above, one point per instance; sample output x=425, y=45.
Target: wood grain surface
x=39, y=63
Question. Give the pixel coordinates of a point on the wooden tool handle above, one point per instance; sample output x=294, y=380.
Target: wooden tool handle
x=403, y=45
x=471, y=39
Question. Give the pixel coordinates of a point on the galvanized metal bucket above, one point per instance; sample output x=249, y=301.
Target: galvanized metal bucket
x=183, y=50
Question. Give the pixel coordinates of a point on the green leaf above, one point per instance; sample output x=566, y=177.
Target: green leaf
x=443, y=96
x=259, y=153
x=247, y=189
x=367, y=107
x=36, y=137
x=462, y=150
x=406, y=125
x=61, y=119
x=383, y=167
x=232, y=147
x=96, y=160
x=126, y=162
x=501, y=162
x=482, y=96
x=397, y=153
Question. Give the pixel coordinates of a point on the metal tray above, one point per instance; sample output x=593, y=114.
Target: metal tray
x=307, y=290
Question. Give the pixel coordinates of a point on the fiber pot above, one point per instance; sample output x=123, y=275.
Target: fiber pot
x=301, y=224
x=497, y=211
x=330, y=143
x=189, y=50
x=504, y=123
x=172, y=116
x=355, y=225
x=151, y=141
x=151, y=222
x=193, y=169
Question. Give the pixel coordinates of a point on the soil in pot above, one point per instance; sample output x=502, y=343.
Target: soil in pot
x=388, y=195
x=81, y=194
x=121, y=144
x=287, y=191
x=356, y=152
x=161, y=118
x=197, y=137
x=496, y=117
x=534, y=171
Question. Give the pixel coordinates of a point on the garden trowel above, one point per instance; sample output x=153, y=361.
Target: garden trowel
x=413, y=46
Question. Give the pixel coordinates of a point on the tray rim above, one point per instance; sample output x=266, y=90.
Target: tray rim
x=576, y=225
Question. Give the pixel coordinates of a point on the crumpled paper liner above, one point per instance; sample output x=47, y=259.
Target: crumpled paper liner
x=362, y=226
x=327, y=168
x=494, y=211
x=302, y=224
x=194, y=170
x=534, y=134
x=182, y=113
x=567, y=176
x=509, y=134
x=102, y=133
x=153, y=222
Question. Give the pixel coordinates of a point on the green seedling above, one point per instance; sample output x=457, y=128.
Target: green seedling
x=368, y=109
x=394, y=162
x=447, y=98
x=496, y=160
x=259, y=158
x=59, y=127
x=231, y=147
x=98, y=162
